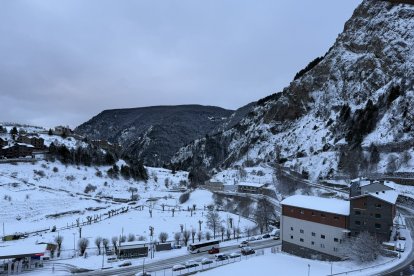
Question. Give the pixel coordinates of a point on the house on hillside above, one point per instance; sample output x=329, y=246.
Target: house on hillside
x=252, y=188
x=36, y=142
x=314, y=227
x=17, y=150
x=3, y=142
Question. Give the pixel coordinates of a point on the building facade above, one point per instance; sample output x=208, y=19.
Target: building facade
x=314, y=227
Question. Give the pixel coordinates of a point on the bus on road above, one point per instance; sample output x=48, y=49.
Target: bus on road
x=203, y=246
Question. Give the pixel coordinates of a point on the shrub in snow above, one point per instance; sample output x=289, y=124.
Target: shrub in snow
x=89, y=188
x=184, y=198
x=163, y=237
x=55, y=169
x=98, y=173
x=39, y=173
x=70, y=178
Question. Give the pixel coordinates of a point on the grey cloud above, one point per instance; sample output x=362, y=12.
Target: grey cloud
x=64, y=61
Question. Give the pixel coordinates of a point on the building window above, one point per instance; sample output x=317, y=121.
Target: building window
x=313, y=214
x=302, y=212
x=378, y=205
x=336, y=218
x=322, y=245
x=291, y=210
x=357, y=222
x=357, y=213
x=377, y=225
x=313, y=234
x=301, y=240
x=336, y=240
x=322, y=236
x=291, y=237
x=301, y=231
x=335, y=249
x=291, y=228
x=313, y=243
x=377, y=215
x=323, y=215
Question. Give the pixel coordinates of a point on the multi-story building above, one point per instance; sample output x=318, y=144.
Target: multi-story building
x=373, y=212
x=314, y=227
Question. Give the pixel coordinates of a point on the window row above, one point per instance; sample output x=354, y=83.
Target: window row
x=313, y=243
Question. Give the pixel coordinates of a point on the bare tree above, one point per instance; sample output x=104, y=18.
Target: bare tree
x=213, y=221
x=208, y=235
x=82, y=245
x=163, y=236
x=264, y=213
x=199, y=236
x=98, y=242
x=59, y=240
x=115, y=243
x=177, y=238
x=228, y=233
x=392, y=164
x=105, y=243
x=186, y=237
x=131, y=237
x=193, y=233
x=362, y=248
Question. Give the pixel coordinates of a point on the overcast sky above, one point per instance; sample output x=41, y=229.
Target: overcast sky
x=62, y=62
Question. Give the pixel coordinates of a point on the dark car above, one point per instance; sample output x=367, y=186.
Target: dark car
x=214, y=251
x=222, y=257
x=266, y=236
x=247, y=251
x=125, y=264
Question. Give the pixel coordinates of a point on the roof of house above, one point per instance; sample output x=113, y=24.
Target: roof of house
x=328, y=205
x=15, y=250
x=389, y=196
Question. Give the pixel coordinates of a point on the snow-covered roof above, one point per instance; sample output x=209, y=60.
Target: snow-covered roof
x=328, y=205
x=26, y=145
x=388, y=196
x=17, y=249
x=133, y=243
x=251, y=184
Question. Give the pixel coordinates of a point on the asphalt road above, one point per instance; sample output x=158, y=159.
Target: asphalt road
x=407, y=266
x=168, y=263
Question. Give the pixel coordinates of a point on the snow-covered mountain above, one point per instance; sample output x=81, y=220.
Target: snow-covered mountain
x=327, y=120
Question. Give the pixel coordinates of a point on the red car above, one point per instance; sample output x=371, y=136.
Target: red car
x=214, y=251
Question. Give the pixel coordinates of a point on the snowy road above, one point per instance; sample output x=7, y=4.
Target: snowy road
x=168, y=263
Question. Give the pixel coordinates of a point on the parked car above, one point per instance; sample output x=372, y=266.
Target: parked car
x=221, y=257
x=178, y=267
x=176, y=246
x=243, y=244
x=206, y=261
x=125, y=264
x=190, y=264
x=276, y=237
x=112, y=259
x=234, y=255
x=247, y=251
x=266, y=236
x=402, y=238
x=214, y=251
x=251, y=239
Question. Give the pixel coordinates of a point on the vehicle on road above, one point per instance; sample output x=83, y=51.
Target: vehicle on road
x=178, y=267
x=203, y=246
x=259, y=238
x=176, y=246
x=191, y=263
x=206, y=261
x=234, y=255
x=112, y=259
x=244, y=244
x=247, y=251
x=266, y=236
x=125, y=264
x=276, y=237
x=214, y=251
x=221, y=257
x=251, y=239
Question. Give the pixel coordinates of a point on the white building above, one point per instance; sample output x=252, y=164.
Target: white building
x=314, y=227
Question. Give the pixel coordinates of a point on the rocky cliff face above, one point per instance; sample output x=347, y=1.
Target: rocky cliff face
x=360, y=93
x=154, y=134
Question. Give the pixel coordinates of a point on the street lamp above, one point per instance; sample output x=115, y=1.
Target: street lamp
x=74, y=250
x=308, y=269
